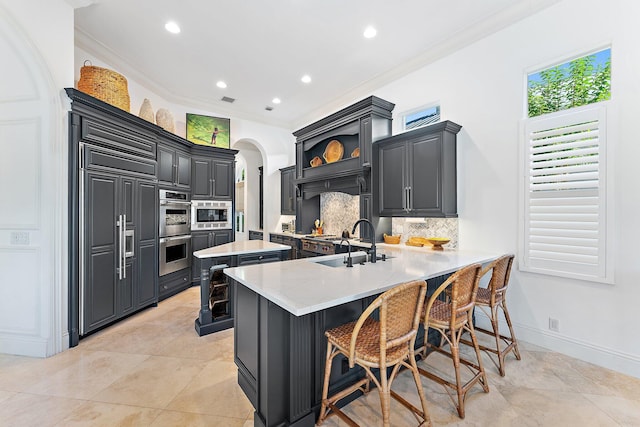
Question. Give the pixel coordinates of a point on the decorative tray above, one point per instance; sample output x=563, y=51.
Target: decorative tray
x=333, y=152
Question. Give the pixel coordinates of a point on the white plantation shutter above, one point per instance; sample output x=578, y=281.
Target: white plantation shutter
x=563, y=230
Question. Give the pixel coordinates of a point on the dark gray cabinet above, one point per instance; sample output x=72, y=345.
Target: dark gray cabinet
x=417, y=172
x=206, y=239
x=172, y=283
x=289, y=241
x=120, y=249
x=207, y=322
x=212, y=178
x=288, y=191
x=356, y=127
x=255, y=235
x=174, y=167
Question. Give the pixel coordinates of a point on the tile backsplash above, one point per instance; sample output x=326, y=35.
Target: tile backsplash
x=339, y=211
x=427, y=227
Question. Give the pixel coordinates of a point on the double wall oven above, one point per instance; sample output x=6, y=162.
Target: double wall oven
x=175, y=237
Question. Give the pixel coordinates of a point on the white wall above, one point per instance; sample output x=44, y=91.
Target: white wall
x=37, y=62
x=482, y=87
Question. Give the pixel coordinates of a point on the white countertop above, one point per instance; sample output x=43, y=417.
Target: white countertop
x=240, y=247
x=303, y=286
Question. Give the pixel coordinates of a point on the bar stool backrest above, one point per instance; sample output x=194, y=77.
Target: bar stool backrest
x=399, y=309
x=501, y=270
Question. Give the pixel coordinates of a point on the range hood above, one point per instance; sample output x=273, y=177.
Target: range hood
x=350, y=181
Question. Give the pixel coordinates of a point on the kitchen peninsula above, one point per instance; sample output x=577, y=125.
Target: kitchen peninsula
x=216, y=298
x=283, y=309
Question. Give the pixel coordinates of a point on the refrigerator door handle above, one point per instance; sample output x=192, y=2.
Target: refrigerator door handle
x=120, y=225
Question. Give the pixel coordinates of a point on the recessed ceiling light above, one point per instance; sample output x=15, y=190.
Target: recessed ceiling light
x=221, y=84
x=370, y=32
x=276, y=100
x=306, y=79
x=172, y=27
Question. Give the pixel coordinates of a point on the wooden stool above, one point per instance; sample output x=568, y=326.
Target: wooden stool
x=449, y=311
x=381, y=344
x=494, y=297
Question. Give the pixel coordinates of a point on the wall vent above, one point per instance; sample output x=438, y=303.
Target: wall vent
x=227, y=99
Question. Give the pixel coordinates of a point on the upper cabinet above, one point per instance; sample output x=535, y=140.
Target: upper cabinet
x=174, y=166
x=212, y=178
x=417, y=172
x=288, y=191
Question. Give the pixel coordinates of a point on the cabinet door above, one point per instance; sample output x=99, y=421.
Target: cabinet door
x=99, y=297
x=146, y=244
x=127, y=287
x=166, y=162
x=221, y=237
x=183, y=176
x=223, y=180
x=392, y=184
x=201, y=179
x=425, y=177
x=288, y=192
x=199, y=240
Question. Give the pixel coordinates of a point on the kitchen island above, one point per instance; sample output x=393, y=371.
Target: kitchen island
x=216, y=299
x=283, y=309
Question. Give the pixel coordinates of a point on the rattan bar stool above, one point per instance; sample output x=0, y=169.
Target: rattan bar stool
x=449, y=311
x=371, y=344
x=494, y=297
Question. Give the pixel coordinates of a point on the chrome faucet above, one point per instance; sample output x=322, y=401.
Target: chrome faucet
x=349, y=260
x=373, y=236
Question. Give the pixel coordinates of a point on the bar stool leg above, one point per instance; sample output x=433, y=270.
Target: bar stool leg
x=423, y=399
x=324, y=409
x=513, y=336
x=496, y=334
x=476, y=347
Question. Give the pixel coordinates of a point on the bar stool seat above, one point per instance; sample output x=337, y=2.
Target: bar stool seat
x=385, y=343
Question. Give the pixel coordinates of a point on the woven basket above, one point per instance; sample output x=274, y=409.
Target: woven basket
x=164, y=119
x=146, y=111
x=106, y=85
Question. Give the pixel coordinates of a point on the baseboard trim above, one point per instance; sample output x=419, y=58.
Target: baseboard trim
x=625, y=363
x=23, y=345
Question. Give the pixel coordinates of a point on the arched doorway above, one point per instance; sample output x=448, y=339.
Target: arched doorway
x=249, y=207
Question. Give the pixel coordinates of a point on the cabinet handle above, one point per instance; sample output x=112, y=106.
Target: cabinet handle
x=409, y=200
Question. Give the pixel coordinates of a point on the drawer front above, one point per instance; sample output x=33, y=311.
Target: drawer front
x=261, y=258
x=103, y=159
x=135, y=141
x=174, y=282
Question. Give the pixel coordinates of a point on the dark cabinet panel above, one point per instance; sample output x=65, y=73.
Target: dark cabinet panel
x=207, y=239
x=120, y=269
x=172, y=283
x=255, y=235
x=201, y=183
x=174, y=167
x=417, y=172
x=288, y=191
x=212, y=179
x=392, y=178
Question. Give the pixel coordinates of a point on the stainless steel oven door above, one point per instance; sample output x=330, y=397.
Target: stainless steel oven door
x=175, y=254
x=175, y=218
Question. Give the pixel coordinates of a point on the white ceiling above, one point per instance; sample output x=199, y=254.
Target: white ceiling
x=262, y=48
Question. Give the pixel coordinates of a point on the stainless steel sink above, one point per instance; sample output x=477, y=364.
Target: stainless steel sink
x=342, y=261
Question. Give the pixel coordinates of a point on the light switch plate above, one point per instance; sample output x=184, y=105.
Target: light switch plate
x=19, y=237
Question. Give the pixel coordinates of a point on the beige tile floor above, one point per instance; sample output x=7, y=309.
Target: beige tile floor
x=153, y=370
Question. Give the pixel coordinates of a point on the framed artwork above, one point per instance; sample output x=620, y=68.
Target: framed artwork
x=206, y=130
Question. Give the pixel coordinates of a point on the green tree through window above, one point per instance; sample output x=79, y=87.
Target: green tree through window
x=583, y=81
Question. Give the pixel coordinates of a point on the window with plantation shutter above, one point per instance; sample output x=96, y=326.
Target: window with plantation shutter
x=563, y=230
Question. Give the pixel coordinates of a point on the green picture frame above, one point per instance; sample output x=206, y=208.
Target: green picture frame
x=207, y=130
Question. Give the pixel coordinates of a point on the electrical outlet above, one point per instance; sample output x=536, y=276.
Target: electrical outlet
x=554, y=325
x=19, y=237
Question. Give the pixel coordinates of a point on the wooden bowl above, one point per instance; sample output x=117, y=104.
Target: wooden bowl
x=437, y=242
x=316, y=161
x=392, y=240
x=355, y=152
x=333, y=152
